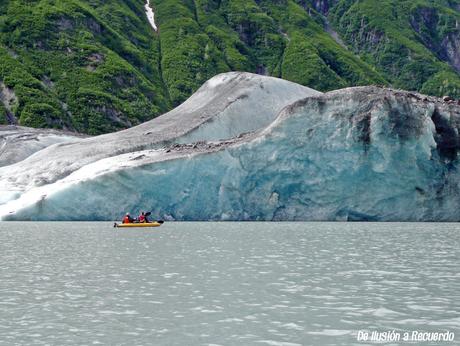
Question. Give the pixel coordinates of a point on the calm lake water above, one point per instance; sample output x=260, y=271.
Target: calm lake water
x=226, y=283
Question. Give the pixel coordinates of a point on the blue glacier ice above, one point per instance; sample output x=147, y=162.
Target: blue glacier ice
x=361, y=153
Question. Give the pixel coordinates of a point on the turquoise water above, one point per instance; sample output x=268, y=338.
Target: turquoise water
x=226, y=283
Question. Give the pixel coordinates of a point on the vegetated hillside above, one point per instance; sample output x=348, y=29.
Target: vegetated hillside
x=414, y=43
x=280, y=38
x=91, y=66
x=96, y=66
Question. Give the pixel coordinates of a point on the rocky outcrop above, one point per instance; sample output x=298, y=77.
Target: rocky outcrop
x=450, y=47
x=323, y=6
x=364, y=37
x=8, y=99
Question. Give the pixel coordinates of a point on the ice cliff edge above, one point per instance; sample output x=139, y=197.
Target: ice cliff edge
x=256, y=148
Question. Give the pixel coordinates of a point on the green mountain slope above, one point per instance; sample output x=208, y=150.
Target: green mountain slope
x=91, y=66
x=97, y=66
x=203, y=37
x=415, y=44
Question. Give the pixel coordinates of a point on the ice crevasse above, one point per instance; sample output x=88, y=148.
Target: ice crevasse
x=276, y=151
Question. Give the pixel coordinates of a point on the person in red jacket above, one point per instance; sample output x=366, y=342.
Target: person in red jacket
x=128, y=218
x=142, y=218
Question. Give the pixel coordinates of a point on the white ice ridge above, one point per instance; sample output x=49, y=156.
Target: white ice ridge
x=150, y=15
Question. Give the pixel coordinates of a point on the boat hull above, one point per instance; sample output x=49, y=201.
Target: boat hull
x=137, y=225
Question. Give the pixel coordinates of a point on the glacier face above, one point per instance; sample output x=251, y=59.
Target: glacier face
x=354, y=154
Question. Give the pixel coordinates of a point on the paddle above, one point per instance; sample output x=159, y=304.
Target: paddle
x=159, y=221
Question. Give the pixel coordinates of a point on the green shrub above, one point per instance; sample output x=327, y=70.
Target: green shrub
x=302, y=64
x=442, y=83
x=38, y=115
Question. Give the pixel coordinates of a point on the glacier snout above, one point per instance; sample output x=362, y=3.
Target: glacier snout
x=354, y=154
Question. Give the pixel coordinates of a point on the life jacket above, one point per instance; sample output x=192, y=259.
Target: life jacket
x=126, y=219
x=141, y=218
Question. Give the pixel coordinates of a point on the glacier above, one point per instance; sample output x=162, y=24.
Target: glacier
x=248, y=147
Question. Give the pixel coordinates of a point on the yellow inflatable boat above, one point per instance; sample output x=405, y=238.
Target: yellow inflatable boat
x=132, y=225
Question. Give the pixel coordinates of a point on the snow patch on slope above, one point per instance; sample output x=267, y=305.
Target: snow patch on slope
x=150, y=15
